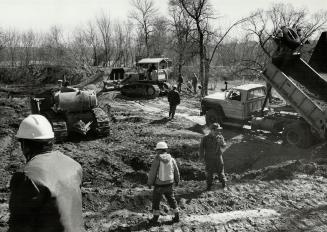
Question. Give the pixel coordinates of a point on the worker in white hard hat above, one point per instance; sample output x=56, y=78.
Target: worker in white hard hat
x=45, y=194
x=211, y=152
x=163, y=173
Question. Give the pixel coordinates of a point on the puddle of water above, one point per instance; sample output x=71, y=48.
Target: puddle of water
x=221, y=218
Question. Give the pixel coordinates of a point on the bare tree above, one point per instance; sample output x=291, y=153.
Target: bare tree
x=28, y=40
x=159, y=37
x=144, y=14
x=12, y=39
x=104, y=26
x=54, y=45
x=200, y=11
x=92, y=40
x=265, y=24
x=182, y=38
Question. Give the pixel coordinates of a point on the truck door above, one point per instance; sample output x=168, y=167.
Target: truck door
x=234, y=107
x=255, y=100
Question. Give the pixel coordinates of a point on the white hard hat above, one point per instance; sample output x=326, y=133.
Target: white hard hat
x=35, y=126
x=161, y=145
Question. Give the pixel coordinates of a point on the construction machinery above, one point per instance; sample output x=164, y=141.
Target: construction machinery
x=70, y=111
x=302, y=85
x=147, y=80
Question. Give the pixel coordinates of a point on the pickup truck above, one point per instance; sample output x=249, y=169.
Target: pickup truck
x=236, y=105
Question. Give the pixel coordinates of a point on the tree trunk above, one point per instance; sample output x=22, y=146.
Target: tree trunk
x=206, y=75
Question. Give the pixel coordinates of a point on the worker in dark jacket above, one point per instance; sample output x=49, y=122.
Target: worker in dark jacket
x=174, y=100
x=211, y=153
x=163, y=174
x=45, y=194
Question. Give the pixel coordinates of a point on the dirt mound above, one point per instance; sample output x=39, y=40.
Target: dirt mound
x=286, y=170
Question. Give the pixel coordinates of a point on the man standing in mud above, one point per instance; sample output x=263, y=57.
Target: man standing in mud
x=174, y=100
x=194, y=82
x=45, y=194
x=163, y=173
x=210, y=151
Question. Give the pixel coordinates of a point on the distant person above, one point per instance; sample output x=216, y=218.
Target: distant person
x=45, y=194
x=211, y=153
x=179, y=83
x=174, y=100
x=66, y=88
x=150, y=70
x=194, y=82
x=163, y=174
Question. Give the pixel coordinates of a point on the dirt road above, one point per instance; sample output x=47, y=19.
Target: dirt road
x=271, y=186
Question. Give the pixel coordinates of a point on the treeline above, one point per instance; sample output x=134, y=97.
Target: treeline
x=190, y=35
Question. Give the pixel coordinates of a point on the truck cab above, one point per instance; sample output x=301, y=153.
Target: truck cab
x=237, y=104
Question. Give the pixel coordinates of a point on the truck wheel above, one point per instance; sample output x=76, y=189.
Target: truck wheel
x=298, y=134
x=213, y=116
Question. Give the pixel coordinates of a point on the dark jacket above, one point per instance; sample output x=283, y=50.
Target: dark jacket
x=173, y=97
x=210, y=149
x=153, y=174
x=46, y=195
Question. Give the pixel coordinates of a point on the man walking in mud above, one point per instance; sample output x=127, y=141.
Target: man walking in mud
x=210, y=152
x=174, y=100
x=45, y=194
x=163, y=174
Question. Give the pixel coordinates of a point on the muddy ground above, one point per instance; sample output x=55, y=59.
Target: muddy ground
x=271, y=186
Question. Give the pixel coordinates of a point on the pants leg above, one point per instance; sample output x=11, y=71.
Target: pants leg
x=169, y=194
x=221, y=170
x=156, y=198
x=170, y=110
x=173, y=109
x=209, y=178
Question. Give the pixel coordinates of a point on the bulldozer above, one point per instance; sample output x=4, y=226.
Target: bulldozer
x=147, y=80
x=71, y=111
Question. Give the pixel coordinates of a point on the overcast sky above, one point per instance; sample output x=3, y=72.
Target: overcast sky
x=40, y=15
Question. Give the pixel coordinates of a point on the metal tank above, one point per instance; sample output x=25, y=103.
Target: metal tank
x=71, y=111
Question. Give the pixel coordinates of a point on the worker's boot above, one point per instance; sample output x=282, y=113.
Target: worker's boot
x=176, y=218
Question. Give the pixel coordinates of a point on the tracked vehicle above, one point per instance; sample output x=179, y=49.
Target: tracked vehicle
x=70, y=111
x=149, y=80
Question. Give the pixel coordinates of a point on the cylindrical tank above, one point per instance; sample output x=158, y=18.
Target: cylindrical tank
x=76, y=101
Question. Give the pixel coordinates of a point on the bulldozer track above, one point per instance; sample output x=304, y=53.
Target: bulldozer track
x=145, y=90
x=101, y=126
x=59, y=127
